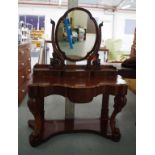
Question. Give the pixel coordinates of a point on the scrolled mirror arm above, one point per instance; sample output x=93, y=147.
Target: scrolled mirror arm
x=57, y=58
x=94, y=58
x=53, y=30
x=100, y=31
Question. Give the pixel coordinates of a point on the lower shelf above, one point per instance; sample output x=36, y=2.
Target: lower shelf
x=55, y=127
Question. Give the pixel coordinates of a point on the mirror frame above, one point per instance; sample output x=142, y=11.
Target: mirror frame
x=93, y=50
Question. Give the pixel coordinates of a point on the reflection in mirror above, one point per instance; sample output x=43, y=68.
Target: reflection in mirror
x=76, y=34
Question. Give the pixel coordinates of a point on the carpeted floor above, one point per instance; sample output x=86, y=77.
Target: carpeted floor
x=80, y=143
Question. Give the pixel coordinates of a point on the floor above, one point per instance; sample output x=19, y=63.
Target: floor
x=80, y=143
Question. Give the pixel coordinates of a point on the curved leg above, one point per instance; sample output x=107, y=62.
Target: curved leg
x=36, y=106
x=120, y=101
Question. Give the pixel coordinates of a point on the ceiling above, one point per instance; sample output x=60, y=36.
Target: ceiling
x=105, y=4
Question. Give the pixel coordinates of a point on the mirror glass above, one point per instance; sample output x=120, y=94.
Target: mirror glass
x=76, y=34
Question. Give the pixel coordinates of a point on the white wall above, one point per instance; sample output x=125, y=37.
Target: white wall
x=101, y=15
x=114, y=25
x=107, y=22
x=119, y=26
x=56, y=13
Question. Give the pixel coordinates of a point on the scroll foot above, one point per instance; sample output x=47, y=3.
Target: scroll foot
x=120, y=102
x=36, y=106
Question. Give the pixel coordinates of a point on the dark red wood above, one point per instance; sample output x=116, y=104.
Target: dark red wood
x=24, y=69
x=57, y=127
x=79, y=84
x=58, y=59
x=104, y=113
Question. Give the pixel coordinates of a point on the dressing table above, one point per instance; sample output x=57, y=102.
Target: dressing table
x=78, y=83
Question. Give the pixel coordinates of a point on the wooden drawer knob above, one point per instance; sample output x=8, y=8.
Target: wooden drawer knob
x=23, y=90
x=22, y=77
x=29, y=59
x=29, y=70
x=22, y=52
x=22, y=64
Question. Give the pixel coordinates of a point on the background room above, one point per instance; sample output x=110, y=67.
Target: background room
x=118, y=43
x=119, y=22
x=136, y=125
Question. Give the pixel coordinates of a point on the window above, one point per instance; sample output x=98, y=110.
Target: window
x=38, y=22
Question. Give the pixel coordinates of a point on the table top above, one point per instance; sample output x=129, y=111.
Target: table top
x=78, y=83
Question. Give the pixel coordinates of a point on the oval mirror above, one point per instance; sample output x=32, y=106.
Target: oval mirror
x=76, y=34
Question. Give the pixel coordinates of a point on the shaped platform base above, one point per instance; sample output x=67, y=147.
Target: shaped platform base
x=56, y=127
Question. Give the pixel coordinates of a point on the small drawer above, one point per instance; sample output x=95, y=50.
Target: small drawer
x=21, y=93
x=29, y=59
x=28, y=72
x=21, y=57
x=21, y=65
x=21, y=60
x=27, y=52
x=21, y=52
x=21, y=79
x=21, y=72
x=28, y=64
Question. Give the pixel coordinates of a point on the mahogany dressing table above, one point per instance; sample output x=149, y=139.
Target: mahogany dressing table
x=79, y=83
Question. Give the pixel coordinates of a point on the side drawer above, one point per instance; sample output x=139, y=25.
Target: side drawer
x=21, y=65
x=28, y=71
x=22, y=92
x=21, y=55
x=21, y=77
x=27, y=52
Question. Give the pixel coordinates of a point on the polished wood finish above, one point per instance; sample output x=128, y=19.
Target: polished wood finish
x=24, y=69
x=57, y=127
x=79, y=84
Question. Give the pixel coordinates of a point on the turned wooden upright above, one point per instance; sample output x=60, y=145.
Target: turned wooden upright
x=78, y=83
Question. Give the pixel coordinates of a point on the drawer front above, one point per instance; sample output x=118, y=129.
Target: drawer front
x=28, y=64
x=21, y=92
x=24, y=69
x=28, y=61
x=21, y=55
x=28, y=71
x=25, y=60
x=21, y=77
x=27, y=52
x=24, y=54
x=21, y=65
